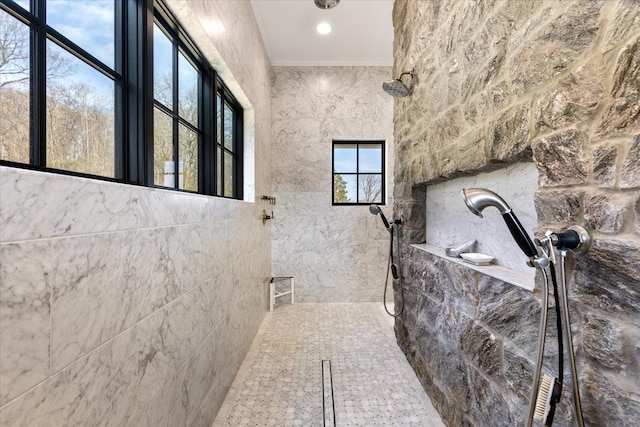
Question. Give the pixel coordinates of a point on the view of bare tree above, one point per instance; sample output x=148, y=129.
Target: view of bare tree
x=369, y=188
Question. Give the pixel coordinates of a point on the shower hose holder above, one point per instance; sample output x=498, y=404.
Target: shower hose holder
x=576, y=239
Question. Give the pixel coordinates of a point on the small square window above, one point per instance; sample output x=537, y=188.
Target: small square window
x=358, y=172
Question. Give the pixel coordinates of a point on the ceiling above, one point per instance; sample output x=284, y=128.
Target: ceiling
x=362, y=32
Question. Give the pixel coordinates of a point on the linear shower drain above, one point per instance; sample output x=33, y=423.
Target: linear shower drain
x=328, y=407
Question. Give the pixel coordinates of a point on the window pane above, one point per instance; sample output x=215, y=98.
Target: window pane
x=340, y=192
x=24, y=4
x=163, y=165
x=370, y=188
x=229, y=168
x=162, y=68
x=349, y=185
x=345, y=158
x=228, y=127
x=14, y=90
x=88, y=23
x=188, y=90
x=219, y=171
x=80, y=115
x=188, y=158
x=370, y=158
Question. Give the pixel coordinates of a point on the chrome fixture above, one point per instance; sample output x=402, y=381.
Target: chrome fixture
x=397, y=88
x=477, y=199
x=391, y=264
x=375, y=210
x=266, y=217
x=326, y=4
x=576, y=239
x=455, y=251
x=545, y=394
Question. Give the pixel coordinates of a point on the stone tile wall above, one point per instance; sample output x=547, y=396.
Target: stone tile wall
x=129, y=306
x=500, y=82
x=335, y=253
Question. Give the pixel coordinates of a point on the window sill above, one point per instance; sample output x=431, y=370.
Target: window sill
x=509, y=275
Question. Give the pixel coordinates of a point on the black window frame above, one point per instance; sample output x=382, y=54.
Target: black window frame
x=382, y=172
x=235, y=152
x=133, y=96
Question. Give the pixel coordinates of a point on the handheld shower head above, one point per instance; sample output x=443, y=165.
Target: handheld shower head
x=375, y=210
x=397, y=88
x=477, y=199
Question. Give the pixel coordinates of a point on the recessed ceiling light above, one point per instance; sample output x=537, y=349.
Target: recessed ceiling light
x=323, y=28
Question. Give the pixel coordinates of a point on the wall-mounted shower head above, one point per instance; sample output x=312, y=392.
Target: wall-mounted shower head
x=375, y=209
x=477, y=199
x=397, y=88
x=326, y=4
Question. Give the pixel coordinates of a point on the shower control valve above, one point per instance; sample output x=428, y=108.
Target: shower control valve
x=266, y=217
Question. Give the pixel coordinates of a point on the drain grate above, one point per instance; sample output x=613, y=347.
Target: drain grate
x=328, y=407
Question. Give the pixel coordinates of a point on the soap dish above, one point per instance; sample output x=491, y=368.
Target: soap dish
x=477, y=259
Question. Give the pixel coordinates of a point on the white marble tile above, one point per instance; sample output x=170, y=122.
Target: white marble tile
x=96, y=390
x=168, y=338
x=358, y=128
x=105, y=283
x=158, y=207
x=169, y=406
x=450, y=222
x=24, y=316
x=209, y=369
x=49, y=205
x=304, y=130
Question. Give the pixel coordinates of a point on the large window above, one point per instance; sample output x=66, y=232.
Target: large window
x=358, y=172
x=114, y=89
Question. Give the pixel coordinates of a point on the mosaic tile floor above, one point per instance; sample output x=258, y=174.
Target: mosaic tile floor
x=281, y=380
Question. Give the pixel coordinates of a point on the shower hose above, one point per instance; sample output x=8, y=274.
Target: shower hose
x=391, y=266
x=558, y=289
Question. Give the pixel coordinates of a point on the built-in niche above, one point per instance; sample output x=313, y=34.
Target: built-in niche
x=449, y=222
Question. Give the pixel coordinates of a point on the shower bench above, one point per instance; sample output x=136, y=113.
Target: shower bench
x=272, y=290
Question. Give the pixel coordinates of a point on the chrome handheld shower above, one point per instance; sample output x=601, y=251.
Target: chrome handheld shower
x=477, y=199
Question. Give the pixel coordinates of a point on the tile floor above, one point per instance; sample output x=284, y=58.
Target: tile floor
x=280, y=381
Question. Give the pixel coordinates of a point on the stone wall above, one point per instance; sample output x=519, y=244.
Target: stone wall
x=556, y=83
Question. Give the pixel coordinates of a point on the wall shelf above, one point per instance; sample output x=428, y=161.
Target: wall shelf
x=509, y=275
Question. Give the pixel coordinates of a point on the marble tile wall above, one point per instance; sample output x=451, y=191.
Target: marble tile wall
x=131, y=306
x=335, y=253
x=126, y=323
x=450, y=222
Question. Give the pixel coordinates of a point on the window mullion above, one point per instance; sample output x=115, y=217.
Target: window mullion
x=207, y=143
x=238, y=137
x=38, y=129
x=221, y=151
x=176, y=121
x=357, y=173
x=120, y=109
